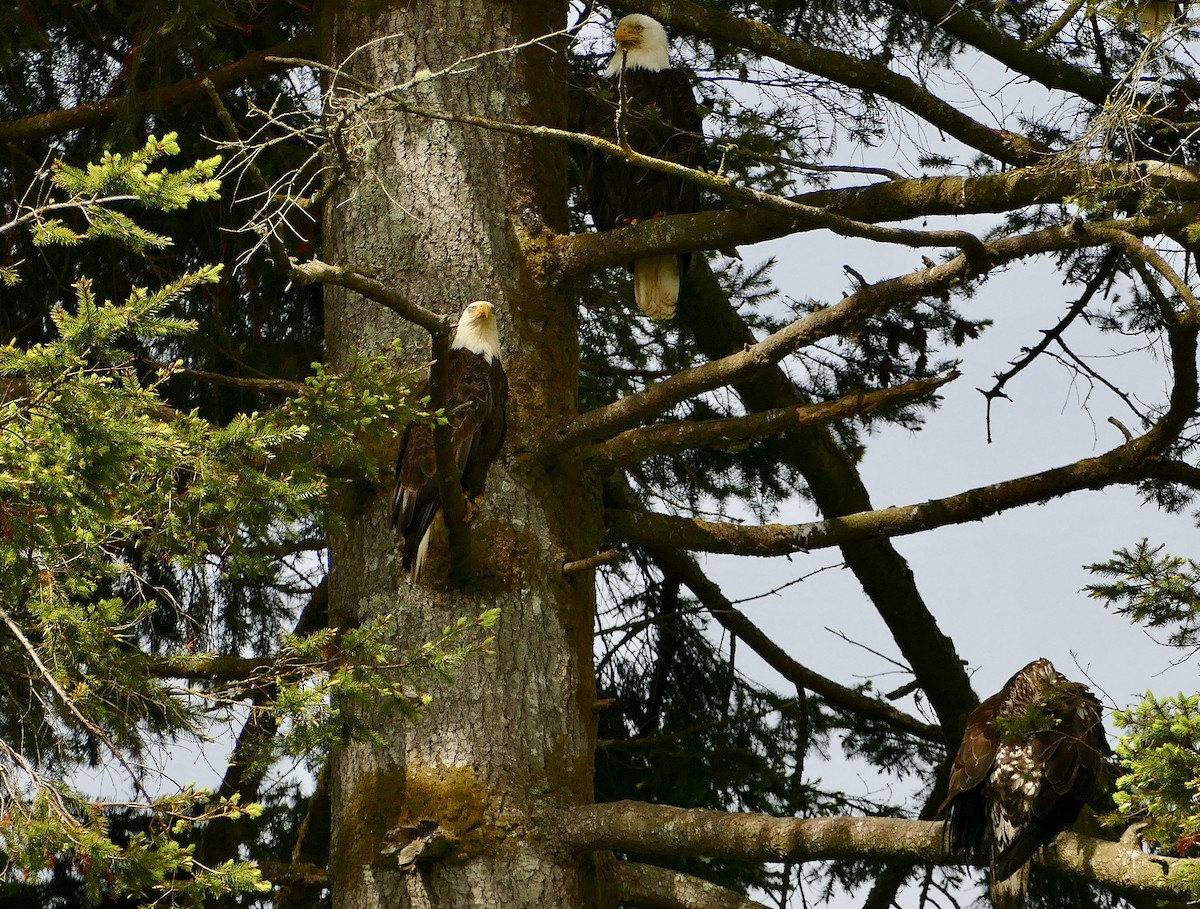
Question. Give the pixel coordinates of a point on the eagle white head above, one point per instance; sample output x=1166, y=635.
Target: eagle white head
x=478, y=331
x=641, y=43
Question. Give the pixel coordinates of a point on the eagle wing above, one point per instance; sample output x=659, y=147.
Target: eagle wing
x=476, y=405
x=965, y=806
x=662, y=119
x=480, y=424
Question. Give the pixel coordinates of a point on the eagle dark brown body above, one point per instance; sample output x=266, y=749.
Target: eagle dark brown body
x=476, y=407
x=1032, y=755
x=658, y=116
x=661, y=120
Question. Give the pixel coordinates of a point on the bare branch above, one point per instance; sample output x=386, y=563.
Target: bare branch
x=662, y=888
x=666, y=438
x=593, y=561
x=894, y=200
x=627, y=412
x=1103, y=274
x=282, y=387
x=664, y=830
x=356, y=279
x=1124, y=464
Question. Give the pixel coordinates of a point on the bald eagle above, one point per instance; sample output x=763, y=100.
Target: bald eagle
x=1032, y=755
x=660, y=119
x=476, y=405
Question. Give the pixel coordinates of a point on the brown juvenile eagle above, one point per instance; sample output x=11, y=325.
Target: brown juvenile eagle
x=476, y=406
x=1032, y=755
x=660, y=119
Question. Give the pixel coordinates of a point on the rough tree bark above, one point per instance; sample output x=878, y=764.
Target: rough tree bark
x=437, y=212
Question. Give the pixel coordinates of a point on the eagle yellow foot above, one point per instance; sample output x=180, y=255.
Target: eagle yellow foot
x=634, y=222
x=469, y=506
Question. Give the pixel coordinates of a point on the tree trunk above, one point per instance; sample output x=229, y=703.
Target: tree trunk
x=438, y=211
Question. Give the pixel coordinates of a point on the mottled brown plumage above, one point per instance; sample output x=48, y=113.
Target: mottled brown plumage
x=1032, y=755
x=476, y=406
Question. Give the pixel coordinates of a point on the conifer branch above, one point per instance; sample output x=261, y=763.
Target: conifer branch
x=650, y=885
x=254, y=65
x=664, y=830
x=627, y=412
x=69, y=704
x=636, y=445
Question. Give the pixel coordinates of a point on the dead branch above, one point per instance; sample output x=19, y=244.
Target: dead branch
x=662, y=888
x=1103, y=274
x=638, y=444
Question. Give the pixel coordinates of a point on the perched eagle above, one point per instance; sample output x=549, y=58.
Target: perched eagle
x=1032, y=755
x=660, y=119
x=476, y=404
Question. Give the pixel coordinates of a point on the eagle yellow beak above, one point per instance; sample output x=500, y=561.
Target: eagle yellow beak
x=485, y=308
x=628, y=36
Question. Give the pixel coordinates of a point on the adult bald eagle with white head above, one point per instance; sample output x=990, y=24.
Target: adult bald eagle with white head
x=660, y=118
x=476, y=407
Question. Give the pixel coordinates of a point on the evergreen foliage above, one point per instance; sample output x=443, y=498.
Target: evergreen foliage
x=1161, y=755
x=99, y=477
x=173, y=466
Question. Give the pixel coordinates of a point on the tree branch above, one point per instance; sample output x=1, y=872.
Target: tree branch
x=662, y=888
x=627, y=412
x=894, y=200
x=1120, y=465
x=636, y=445
x=252, y=66
x=357, y=279
x=282, y=387
x=1103, y=274
x=664, y=830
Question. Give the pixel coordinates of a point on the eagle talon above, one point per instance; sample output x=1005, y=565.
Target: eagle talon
x=469, y=506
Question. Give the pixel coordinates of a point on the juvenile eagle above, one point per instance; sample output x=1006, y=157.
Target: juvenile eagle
x=1032, y=755
x=660, y=119
x=476, y=404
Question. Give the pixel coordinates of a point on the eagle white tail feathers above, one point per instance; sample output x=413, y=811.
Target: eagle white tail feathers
x=1010, y=892
x=1155, y=15
x=656, y=285
x=418, y=563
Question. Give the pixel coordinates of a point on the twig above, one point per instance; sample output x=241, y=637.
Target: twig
x=69, y=704
x=592, y=561
x=1107, y=265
